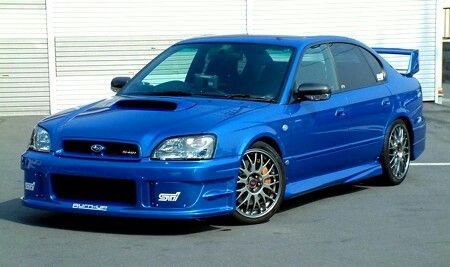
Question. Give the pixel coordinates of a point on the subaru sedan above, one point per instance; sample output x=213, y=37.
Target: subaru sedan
x=231, y=125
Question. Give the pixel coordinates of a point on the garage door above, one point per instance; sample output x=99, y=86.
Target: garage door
x=24, y=81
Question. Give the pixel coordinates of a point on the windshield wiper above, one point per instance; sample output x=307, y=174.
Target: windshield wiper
x=168, y=93
x=251, y=97
x=229, y=96
x=212, y=95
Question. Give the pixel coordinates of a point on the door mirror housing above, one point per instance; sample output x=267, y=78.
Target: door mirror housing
x=118, y=83
x=313, y=92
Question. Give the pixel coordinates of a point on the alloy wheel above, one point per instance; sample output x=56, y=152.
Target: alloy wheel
x=258, y=184
x=399, y=151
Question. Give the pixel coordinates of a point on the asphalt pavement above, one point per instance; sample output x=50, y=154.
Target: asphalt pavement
x=356, y=225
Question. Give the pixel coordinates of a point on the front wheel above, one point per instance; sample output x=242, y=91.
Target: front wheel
x=260, y=184
x=396, y=153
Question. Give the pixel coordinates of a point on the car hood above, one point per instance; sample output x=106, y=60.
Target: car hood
x=147, y=120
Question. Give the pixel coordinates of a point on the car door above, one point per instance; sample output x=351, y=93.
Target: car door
x=362, y=79
x=318, y=129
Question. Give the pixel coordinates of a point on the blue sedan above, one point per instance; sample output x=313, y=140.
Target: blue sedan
x=230, y=125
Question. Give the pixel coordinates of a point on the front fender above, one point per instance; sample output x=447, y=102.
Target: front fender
x=237, y=143
x=263, y=134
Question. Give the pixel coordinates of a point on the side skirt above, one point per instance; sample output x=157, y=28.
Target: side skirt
x=346, y=176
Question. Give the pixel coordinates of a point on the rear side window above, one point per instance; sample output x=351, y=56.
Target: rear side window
x=374, y=64
x=352, y=68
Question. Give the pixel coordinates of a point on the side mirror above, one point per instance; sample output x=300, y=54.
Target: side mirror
x=313, y=92
x=118, y=83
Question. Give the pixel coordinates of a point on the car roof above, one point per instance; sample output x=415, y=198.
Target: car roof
x=284, y=40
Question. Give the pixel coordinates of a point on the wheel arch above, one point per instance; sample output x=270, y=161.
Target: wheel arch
x=271, y=142
x=267, y=137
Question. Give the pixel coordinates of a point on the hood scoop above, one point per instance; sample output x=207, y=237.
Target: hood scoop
x=146, y=104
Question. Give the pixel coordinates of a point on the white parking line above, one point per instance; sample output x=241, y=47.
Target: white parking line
x=430, y=164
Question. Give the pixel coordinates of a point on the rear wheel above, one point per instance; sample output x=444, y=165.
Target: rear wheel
x=396, y=153
x=260, y=184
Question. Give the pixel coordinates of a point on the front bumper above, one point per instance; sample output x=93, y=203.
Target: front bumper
x=206, y=188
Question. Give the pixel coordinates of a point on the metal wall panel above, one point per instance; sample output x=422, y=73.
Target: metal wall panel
x=393, y=23
x=24, y=80
x=147, y=17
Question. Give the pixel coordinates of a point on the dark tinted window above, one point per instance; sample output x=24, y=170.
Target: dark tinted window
x=316, y=67
x=374, y=64
x=351, y=66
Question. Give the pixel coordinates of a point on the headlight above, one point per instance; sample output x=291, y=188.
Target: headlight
x=40, y=140
x=186, y=148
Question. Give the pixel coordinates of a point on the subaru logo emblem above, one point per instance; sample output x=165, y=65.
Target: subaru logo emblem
x=97, y=148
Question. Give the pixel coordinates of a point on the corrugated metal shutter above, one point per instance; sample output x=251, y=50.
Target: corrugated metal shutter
x=395, y=23
x=98, y=40
x=24, y=81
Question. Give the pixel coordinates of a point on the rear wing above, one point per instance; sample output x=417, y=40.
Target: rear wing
x=413, y=66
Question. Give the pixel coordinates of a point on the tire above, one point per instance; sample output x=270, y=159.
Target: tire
x=396, y=154
x=260, y=184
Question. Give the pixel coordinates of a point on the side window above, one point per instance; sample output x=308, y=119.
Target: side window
x=316, y=66
x=352, y=68
x=374, y=64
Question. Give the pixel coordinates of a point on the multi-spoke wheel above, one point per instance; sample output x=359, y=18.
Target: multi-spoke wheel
x=396, y=153
x=260, y=184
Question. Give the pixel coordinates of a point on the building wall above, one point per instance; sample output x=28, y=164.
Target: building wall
x=63, y=53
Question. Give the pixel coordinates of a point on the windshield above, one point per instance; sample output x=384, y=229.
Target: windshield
x=224, y=70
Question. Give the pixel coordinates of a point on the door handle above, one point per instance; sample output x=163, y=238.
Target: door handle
x=340, y=112
x=385, y=102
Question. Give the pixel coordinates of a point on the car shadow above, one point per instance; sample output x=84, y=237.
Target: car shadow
x=12, y=210
x=315, y=196
x=330, y=192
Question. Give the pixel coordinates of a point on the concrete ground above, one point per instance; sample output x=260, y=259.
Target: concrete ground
x=357, y=225
x=445, y=99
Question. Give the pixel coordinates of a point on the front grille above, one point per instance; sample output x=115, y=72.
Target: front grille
x=81, y=188
x=112, y=149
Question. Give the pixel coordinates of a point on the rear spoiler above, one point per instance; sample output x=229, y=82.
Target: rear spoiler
x=413, y=66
